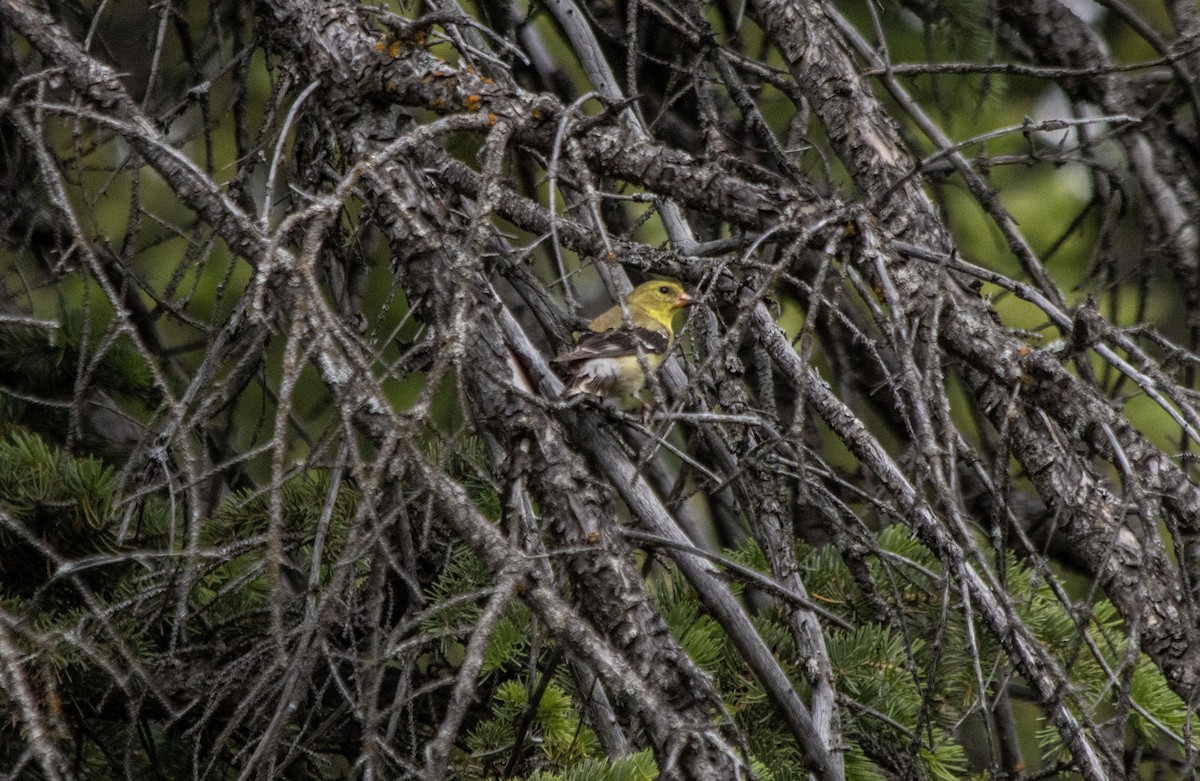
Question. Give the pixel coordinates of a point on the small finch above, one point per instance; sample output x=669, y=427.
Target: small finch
x=608, y=357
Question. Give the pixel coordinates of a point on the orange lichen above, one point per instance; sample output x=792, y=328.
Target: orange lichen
x=395, y=49
x=492, y=118
x=472, y=102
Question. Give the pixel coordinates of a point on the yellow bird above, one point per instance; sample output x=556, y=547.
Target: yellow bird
x=608, y=357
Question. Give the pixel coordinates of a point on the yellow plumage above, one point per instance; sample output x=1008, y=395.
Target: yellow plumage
x=607, y=359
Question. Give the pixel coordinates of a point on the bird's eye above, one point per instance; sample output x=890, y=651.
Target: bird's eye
x=664, y=290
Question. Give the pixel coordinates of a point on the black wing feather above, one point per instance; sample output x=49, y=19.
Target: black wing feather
x=616, y=343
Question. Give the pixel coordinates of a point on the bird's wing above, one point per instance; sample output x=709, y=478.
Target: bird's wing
x=617, y=343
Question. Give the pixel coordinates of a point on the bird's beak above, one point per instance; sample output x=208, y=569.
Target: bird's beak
x=683, y=299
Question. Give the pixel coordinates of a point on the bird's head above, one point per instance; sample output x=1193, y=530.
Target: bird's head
x=660, y=296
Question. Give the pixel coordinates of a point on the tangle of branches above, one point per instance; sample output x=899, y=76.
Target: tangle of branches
x=287, y=487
